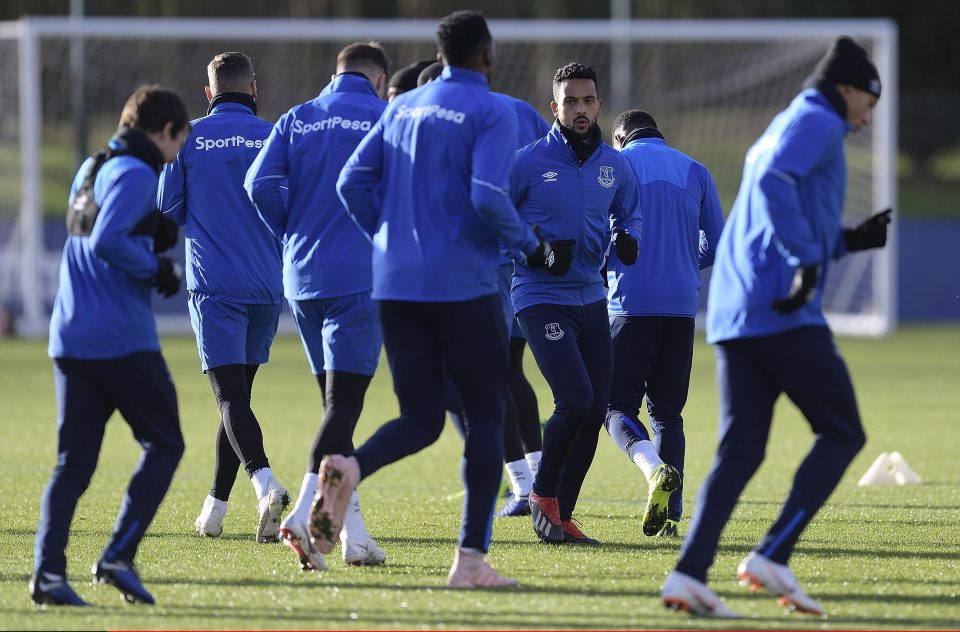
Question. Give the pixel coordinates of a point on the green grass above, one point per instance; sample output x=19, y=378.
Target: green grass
x=875, y=557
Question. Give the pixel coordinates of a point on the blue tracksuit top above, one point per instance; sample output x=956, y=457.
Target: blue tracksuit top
x=530, y=125
x=787, y=214
x=324, y=255
x=230, y=254
x=682, y=220
x=102, y=308
x=569, y=201
x=430, y=185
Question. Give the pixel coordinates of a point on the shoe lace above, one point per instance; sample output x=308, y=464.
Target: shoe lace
x=572, y=526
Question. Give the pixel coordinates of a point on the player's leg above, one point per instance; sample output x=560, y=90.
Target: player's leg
x=747, y=393
x=143, y=389
x=416, y=363
x=597, y=354
x=525, y=399
x=515, y=462
x=668, y=384
x=83, y=408
x=829, y=404
x=473, y=340
x=552, y=332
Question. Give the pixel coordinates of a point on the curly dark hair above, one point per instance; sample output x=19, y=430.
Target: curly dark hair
x=634, y=119
x=460, y=35
x=573, y=70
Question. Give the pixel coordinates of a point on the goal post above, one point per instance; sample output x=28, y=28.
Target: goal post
x=713, y=86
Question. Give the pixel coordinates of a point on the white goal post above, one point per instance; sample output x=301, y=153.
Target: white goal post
x=713, y=86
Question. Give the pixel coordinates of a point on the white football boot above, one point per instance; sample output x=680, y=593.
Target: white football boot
x=269, y=510
x=757, y=571
x=295, y=534
x=682, y=592
x=358, y=548
x=209, y=523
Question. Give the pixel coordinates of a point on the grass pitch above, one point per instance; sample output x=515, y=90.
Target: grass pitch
x=875, y=557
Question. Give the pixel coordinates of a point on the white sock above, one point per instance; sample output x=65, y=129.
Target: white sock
x=353, y=526
x=520, y=477
x=644, y=454
x=216, y=503
x=261, y=481
x=533, y=460
x=308, y=491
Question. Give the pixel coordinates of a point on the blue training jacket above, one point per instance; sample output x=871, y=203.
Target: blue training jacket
x=102, y=309
x=430, y=185
x=569, y=201
x=230, y=254
x=530, y=124
x=324, y=255
x=787, y=214
x=682, y=220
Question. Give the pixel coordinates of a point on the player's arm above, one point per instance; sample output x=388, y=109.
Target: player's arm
x=627, y=218
x=359, y=183
x=130, y=197
x=711, y=221
x=266, y=177
x=798, y=151
x=492, y=163
x=172, y=191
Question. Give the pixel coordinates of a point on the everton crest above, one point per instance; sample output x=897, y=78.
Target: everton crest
x=606, y=178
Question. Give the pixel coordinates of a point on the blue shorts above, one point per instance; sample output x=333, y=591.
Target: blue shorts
x=340, y=334
x=232, y=333
x=506, y=278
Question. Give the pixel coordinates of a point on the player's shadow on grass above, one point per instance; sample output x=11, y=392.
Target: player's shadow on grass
x=833, y=552
x=839, y=505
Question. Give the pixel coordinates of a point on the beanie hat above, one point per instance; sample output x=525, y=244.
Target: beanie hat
x=847, y=63
x=405, y=79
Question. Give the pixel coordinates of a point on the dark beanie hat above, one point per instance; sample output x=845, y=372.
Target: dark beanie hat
x=430, y=73
x=405, y=79
x=848, y=63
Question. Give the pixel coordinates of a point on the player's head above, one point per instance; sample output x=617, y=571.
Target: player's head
x=160, y=115
x=848, y=67
x=230, y=72
x=629, y=122
x=576, y=102
x=464, y=40
x=367, y=58
x=430, y=73
x=405, y=79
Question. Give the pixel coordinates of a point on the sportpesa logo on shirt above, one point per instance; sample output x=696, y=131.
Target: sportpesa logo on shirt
x=299, y=127
x=423, y=111
x=204, y=144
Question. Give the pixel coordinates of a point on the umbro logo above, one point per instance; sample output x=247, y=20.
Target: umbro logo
x=550, y=176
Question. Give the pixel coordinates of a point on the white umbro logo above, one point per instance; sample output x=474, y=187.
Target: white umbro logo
x=550, y=176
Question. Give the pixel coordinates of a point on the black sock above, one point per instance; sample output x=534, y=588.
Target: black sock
x=231, y=388
x=528, y=414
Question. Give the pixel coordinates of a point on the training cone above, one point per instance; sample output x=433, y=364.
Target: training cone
x=889, y=469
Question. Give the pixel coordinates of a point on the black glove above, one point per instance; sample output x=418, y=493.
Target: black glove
x=603, y=275
x=627, y=247
x=871, y=233
x=802, y=290
x=165, y=237
x=553, y=256
x=168, y=276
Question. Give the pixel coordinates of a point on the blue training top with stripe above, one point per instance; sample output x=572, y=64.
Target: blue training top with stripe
x=230, y=254
x=324, y=255
x=787, y=214
x=569, y=201
x=682, y=221
x=429, y=186
x=102, y=308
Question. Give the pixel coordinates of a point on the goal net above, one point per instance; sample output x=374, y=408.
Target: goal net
x=713, y=87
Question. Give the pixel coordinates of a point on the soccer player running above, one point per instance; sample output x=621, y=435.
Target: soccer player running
x=765, y=315
x=104, y=346
x=652, y=307
x=234, y=280
x=571, y=183
x=429, y=184
x=327, y=270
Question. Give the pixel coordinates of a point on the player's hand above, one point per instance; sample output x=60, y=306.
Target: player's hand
x=871, y=233
x=802, y=290
x=627, y=247
x=553, y=256
x=165, y=237
x=168, y=276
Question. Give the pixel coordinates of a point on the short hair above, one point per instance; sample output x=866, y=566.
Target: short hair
x=361, y=55
x=230, y=72
x=634, y=119
x=429, y=73
x=405, y=79
x=573, y=70
x=150, y=108
x=460, y=35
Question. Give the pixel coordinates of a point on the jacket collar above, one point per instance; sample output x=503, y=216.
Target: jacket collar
x=815, y=96
x=232, y=102
x=351, y=82
x=556, y=136
x=462, y=74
